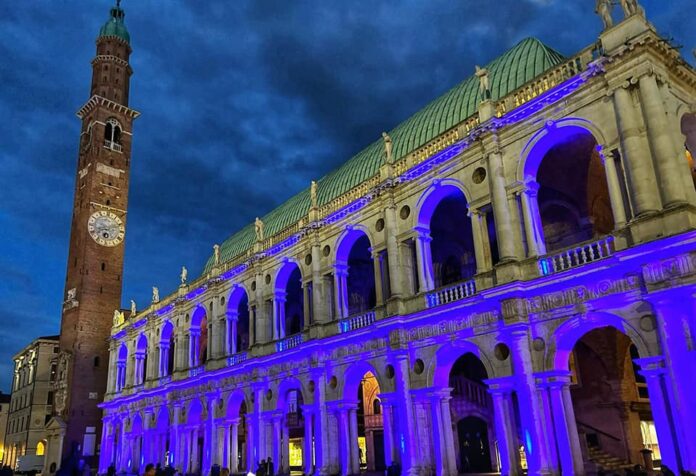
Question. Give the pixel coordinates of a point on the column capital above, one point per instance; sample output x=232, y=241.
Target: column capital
x=651, y=366
x=339, y=406
x=500, y=385
x=531, y=187
x=553, y=378
x=341, y=269
x=432, y=393
x=307, y=409
x=387, y=399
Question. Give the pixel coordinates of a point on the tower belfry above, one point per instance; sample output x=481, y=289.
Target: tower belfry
x=93, y=281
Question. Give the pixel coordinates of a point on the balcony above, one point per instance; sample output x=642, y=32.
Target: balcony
x=196, y=370
x=576, y=256
x=450, y=294
x=356, y=322
x=289, y=342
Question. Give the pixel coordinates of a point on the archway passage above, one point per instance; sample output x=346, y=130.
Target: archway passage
x=141, y=355
x=688, y=129
x=289, y=293
x=370, y=425
x=295, y=451
x=453, y=257
x=610, y=400
x=473, y=414
x=235, y=442
x=199, y=337
x=238, y=339
x=573, y=194
x=167, y=350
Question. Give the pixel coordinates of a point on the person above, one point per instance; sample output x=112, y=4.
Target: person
x=260, y=468
x=225, y=471
x=158, y=470
x=149, y=470
x=269, y=467
x=215, y=470
x=111, y=470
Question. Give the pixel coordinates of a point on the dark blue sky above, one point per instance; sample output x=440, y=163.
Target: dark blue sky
x=243, y=103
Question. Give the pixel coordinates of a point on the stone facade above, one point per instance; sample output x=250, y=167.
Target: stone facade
x=481, y=298
x=32, y=400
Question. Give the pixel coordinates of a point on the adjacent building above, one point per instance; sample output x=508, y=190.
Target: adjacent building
x=31, y=404
x=4, y=413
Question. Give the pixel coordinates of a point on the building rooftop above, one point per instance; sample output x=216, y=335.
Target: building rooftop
x=519, y=65
x=115, y=26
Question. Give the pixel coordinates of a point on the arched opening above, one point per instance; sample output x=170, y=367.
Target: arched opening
x=289, y=301
x=112, y=132
x=294, y=452
x=370, y=425
x=41, y=448
x=199, y=337
x=161, y=450
x=445, y=243
x=236, y=455
x=610, y=400
x=136, y=460
x=193, y=457
x=140, y=373
x=121, y=365
x=355, y=275
x=573, y=196
x=167, y=350
x=472, y=415
x=238, y=321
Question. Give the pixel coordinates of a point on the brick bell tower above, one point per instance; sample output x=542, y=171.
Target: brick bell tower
x=94, y=275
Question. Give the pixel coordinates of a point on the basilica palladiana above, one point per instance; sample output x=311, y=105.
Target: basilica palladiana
x=503, y=283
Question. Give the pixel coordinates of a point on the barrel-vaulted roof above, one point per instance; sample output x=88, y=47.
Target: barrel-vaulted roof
x=519, y=65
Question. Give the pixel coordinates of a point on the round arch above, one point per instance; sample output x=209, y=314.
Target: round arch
x=237, y=294
x=346, y=240
x=285, y=387
x=199, y=314
x=447, y=355
x=571, y=331
x=141, y=344
x=167, y=331
x=194, y=411
x=549, y=136
x=433, y=195
x=354, y=375
x=234, y=403
x=284, y=273
x=123, y=352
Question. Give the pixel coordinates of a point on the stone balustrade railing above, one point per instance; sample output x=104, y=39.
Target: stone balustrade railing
x=196, y=370
x=449, y=294
x=289, y=342
x=112, y=145
x=576, y=256
x=473, y=392
x=236, y=359
x=356, y=322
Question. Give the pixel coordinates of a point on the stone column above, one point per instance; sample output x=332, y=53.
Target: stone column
x=615, y=195
x=285, y=447
x=277, y=442
x=279, y=315
x=379, y=283
x=344, y=441
x=307, y=446
x=501, y=212
x=322, y=459
x=449, y=437
x=643, y=187
x=354, y=448
x=405, y=417
x=321, y=311
x=531, y=414
x=387, y=402
x=233, y=445
x=306, y=304
x=424, y=256
x=482, y=247
x=341, y=282
x=533, y=228
x=505, y=431
x=441, y=425
x=567, y=443
x=230, y=344
x=664, y=152
x=391, y=231
x=653, y=370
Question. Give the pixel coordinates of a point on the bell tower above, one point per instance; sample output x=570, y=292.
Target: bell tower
x=94, y=274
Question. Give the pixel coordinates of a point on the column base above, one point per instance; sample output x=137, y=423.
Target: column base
x=651, y=227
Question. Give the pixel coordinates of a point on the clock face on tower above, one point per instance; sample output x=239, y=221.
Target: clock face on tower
x=106, y=228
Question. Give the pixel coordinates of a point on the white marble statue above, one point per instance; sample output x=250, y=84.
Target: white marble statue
x=388, y=148
x=258, y=228
x=133, y=309
x=155, y=294
x=184, y=275
x=117, y=317
x=72, y=293
x=630, y=7
x=313, y=194
x=603, y=9
x=216, y=254
x=484, y=82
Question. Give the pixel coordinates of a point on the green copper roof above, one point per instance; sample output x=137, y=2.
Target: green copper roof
x=115, y=26
x=525, y=61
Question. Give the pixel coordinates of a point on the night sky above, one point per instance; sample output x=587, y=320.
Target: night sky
x=242, y=102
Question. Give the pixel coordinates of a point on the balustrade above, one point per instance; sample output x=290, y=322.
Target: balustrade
x=356, y=322
x=289, y=342
x=576, y=256
x=471, y=391
x=449, y=294
x=236, y=359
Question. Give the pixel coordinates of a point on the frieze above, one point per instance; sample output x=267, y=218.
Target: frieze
x=449, y=326
x=670, y=269
x=358, y=348
x=518, y=308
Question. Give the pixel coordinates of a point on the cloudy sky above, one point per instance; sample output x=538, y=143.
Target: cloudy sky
x=243, y=103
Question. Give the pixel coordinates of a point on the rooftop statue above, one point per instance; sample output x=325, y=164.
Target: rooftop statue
x=313, y=194
x=155, y=294
x=603, y=9
x=630, y=7
x=184, y=275
x=388, y=148
x=484, y=83
x=258, y=228
x=119, y=318
x=216, y=254
x=133, y=309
